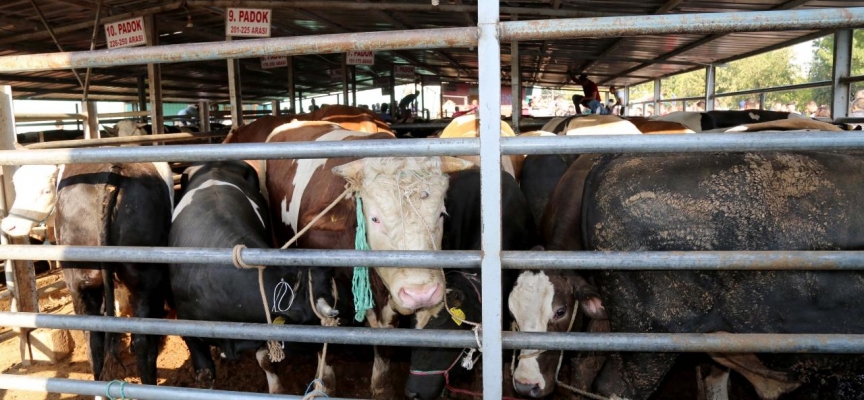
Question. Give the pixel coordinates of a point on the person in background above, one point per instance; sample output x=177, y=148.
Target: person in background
x=823, y=112
x=590, y=97
x=790, y=108
x=857, y=109
x=777, y=106
x=700, y=106
x=617, y=108
x=191, y=110
x=384, y=114
x=811, y=108
x=405, y=104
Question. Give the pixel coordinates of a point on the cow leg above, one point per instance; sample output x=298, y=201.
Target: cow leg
x=322, y=290
x=273, y=383
x=146, y=347
x=633, y=375
x=88, y=301
x=382, y=385
x=716, y=384
x=205, y=369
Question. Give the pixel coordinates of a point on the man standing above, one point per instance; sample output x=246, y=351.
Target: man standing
x=591, y=97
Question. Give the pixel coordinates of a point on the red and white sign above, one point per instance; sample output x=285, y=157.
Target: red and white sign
x=403, y=71
x=125, y=33
x=361, y=57
x=248, y=22
x=269, y=62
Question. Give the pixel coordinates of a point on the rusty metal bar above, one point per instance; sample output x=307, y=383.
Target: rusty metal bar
x=757, y=21
x=839, y=18
x=92, y=47
x=54, y=37
x=116, y=141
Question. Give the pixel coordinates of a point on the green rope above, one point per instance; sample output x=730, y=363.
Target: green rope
x=360, y=286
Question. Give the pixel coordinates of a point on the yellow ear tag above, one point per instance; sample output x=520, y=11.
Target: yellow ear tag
x=279, y=321
x=458, y=315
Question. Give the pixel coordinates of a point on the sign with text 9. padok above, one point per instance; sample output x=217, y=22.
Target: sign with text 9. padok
x=125, y=33
x=248, y=22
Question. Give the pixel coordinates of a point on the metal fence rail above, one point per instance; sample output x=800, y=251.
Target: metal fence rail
x=619, y=260
x=571, y=28
x=708, y=142
x=487, y=37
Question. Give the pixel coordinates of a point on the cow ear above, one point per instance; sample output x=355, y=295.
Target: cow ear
x=455, y=298
x=454, y=164
x=113, y=130
x=141, y=124
x=350, y=171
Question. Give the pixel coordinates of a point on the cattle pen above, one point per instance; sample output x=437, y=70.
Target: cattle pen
x=487, y=36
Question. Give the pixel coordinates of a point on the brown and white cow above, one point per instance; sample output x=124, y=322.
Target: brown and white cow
x=348, y=117
x=403, y=204
x=468, y=126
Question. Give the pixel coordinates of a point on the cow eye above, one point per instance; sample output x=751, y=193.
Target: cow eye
x=560, y=313
x=375, y=220
x=424, y=194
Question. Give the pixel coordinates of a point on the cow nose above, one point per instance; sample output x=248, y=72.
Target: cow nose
x=7, y=226
x=411, y=395
x=528, y=389
x=419, y=296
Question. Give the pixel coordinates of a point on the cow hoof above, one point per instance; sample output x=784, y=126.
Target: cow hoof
x=333, y=313
x=205, y=379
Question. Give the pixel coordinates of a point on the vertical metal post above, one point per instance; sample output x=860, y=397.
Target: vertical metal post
x=762, y=100
x=657, y=94
x=393, y=92
x=354, y=85
x=710, y=88
x=274, y=107
x=291, y=87
x=234, y=91
x=842, y=69
x=300, y=109
x=154, y=75
x=515, y=84
x=20, y=275
x=489, y=56
x=91, y=126
x=344, y=79
x=142, y=96
x=625, y=102
x=204, y=116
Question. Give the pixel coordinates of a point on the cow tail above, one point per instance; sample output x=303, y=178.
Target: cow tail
x=109, y=205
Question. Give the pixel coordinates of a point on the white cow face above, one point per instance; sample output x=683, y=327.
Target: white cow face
x=403, y=203
x=35, y=195
x=125, y=128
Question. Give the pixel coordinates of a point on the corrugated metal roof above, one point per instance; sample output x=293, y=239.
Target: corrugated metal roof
x=618, y=61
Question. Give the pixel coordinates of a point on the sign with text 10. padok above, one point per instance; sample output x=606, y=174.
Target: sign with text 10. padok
x=125, y=33
x=360, y=57
x=404, y=71
x=248, y=22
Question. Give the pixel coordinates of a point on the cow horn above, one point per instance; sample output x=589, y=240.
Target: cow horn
x=454, y=164
x=349, y=171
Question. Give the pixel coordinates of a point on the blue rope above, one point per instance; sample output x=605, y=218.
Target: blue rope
x=314, y=392
x=360, y=286
x=108, y=390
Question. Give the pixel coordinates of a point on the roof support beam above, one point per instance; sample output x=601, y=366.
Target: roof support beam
x=544, y=47
x=789, y=5
x=399, y=24
x=668, y=6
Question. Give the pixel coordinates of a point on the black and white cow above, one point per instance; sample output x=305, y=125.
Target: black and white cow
x=462, y=229
x=222, y=207
x=104, y=205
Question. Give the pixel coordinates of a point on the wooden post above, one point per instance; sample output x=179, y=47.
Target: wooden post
x=234, y=91
x=154, y=75
x=204, y=116
x=91, y=126
x=274, y=107
x=344, y=78
x=291, y=86
x=354, y=85
x=142, y=96
x=20, y=275
x=515, y=86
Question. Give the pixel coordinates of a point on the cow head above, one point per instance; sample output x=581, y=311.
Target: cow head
x=35, y=195
x=403, y=203
x=126, y=127
x=544, y=301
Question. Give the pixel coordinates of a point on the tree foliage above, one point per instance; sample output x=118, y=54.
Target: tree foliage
x=772, y=69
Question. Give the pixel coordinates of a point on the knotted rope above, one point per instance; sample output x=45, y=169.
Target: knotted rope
x=537, y=353
x=361, y=288
x=276, y=353
x=318, y=383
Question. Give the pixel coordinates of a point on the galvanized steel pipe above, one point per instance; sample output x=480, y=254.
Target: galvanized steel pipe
x=130, y=390
x=247, y=151
x=834, y=18
x=755, y=21
x=686, y=260
x=660, y=342
x=272, y=257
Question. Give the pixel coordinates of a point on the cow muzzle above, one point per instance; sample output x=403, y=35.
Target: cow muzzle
x=421, y=296
x=529, y=389
x=17, y=227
